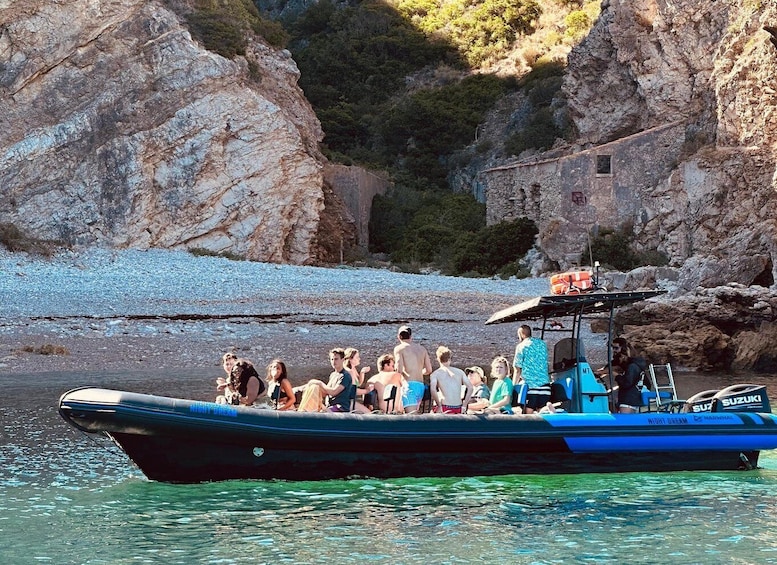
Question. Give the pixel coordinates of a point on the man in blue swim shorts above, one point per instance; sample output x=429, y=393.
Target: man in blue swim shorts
x=412, y=360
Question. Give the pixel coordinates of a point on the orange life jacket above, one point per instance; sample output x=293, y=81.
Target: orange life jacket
x=572, y=282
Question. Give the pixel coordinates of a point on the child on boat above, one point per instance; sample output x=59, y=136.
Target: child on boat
x=502, y=390
x=480, y=392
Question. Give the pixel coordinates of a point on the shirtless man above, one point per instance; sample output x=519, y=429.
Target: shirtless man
x=384, y=380
x=449, y=380
x=413, y=362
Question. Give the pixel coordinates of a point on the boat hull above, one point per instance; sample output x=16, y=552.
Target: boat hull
x=176, y=440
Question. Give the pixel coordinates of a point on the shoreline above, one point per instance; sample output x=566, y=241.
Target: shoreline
x=162, y=310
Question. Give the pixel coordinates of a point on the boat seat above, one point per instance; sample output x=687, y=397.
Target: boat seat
x=352, y=398
x=567, y=385
x=561, y=392
x=275, y=397
x=371, y=400
x=649, y=396
x=564, y=364
x=390, y=398
x=426, y=401
x=519, y=394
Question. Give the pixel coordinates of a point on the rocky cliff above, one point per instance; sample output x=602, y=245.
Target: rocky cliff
x=681, y=99
x=116, y=128
x=713, y=65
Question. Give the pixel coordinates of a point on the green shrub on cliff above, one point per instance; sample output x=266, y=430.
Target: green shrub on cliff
x=541, y=86
x=614, y=248
x=420, y=226
x=447, y=230
x=479, y=29
x=419, y=131
x=358, y=54
x=221, y=26
x=577, y=24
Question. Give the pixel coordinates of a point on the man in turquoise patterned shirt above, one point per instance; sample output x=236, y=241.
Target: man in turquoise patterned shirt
x=531, y=367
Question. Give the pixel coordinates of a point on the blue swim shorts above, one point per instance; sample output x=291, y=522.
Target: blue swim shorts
x=413, y=394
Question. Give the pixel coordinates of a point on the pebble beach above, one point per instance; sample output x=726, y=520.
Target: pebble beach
x=135, y=311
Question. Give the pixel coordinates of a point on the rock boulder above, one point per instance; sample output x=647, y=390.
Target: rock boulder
x=731, y=327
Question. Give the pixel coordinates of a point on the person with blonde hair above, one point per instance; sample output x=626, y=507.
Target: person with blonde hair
x=351, y=362
x=502, y=388
x=446, y=385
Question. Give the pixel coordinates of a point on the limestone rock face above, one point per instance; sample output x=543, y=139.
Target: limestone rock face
x=117, y=129
x=713, y=65
x=645, y=63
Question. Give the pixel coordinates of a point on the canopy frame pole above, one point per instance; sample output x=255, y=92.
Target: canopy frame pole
x=610, y=327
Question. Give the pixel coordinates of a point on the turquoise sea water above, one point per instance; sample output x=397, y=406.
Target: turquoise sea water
x=67, y=498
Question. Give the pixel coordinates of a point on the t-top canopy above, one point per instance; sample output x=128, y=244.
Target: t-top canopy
x=568, y=305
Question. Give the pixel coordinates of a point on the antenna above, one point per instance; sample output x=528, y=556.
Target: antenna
x=590, y=251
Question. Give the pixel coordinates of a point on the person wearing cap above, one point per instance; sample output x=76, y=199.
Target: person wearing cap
x=480, y=392
x=446, y=385
x=412, y=362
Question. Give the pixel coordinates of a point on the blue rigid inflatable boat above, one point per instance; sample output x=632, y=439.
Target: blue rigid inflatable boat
x=178, y=440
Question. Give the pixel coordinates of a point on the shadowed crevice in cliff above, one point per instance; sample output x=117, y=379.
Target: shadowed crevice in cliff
x=772, y=31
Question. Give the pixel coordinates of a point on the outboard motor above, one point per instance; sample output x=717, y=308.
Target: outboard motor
x=741, y=398
x=700, y=402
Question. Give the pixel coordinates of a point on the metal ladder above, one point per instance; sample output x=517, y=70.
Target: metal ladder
x=663, y=382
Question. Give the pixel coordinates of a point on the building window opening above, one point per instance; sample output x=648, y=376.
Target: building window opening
x=604, y=164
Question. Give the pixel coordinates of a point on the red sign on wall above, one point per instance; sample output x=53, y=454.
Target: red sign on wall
x=579, y=198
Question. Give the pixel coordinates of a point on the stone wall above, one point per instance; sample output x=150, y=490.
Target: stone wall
x=607, y=186
x=356, y=187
